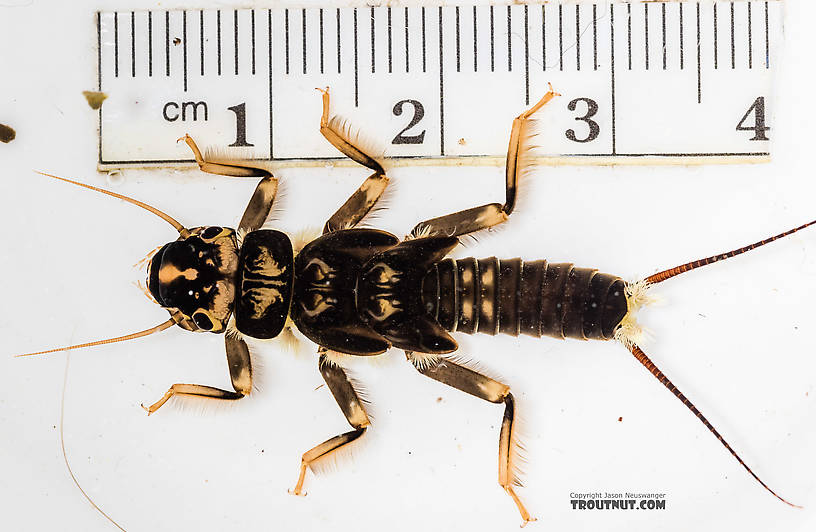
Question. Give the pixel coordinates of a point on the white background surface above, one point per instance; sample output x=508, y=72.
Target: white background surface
x=737, y=338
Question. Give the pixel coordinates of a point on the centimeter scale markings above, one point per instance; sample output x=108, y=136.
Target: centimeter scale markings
x=663, y=80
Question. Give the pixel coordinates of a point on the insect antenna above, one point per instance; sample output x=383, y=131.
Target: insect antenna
x=683, y=268
x=177, y=317
x=654, y=370
x=166, y=217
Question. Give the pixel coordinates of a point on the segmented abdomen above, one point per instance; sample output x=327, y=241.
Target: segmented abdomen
x=516, y=297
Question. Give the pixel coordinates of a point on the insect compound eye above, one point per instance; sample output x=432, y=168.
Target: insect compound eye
x=202, y=321
x=211, y=232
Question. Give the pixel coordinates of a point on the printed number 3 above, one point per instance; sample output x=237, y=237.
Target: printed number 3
x=592, y=110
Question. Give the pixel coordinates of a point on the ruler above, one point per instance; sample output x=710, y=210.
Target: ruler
x=666, y=81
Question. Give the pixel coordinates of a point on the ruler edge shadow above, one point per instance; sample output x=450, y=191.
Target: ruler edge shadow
x=473, y=161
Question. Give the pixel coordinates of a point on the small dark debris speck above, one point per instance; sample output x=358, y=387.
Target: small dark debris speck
x=620, y=419
x=176, y=41
x=438, y=399
x=7, y=133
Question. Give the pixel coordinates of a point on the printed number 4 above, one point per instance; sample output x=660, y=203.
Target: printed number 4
x=759, y=128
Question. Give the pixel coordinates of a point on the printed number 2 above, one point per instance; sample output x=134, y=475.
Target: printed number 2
x=592, y=110
x=759, y=128
x=419, y=112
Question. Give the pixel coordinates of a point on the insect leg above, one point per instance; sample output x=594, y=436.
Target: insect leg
x=478, y=218
x=240, y=368
x=228, y=169
x=262, y=199
x=352, y=407
x=483, y=387
x=259, y=205
x=363, y=199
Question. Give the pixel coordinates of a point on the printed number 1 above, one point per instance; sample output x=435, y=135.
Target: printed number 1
x=240, y=125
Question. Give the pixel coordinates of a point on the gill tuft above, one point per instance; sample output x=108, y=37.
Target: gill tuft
x=638, y=295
